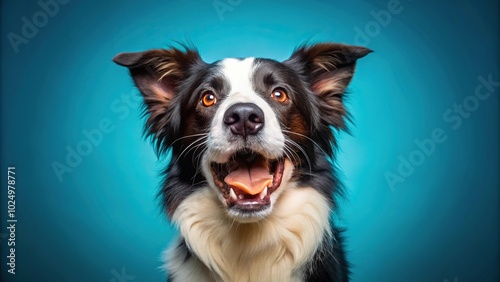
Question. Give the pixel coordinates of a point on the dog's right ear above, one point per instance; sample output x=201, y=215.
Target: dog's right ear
x=157, y=74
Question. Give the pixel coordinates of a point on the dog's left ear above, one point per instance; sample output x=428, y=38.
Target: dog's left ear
x=328, y=68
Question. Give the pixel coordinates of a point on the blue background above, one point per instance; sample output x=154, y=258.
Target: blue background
x=102, y=219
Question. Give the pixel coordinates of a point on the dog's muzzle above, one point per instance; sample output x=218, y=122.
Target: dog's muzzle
x=251, y=171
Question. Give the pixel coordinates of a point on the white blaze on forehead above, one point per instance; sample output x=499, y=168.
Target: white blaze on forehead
x=239, y=74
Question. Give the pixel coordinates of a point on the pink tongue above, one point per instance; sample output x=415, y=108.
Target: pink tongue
x=251, y=178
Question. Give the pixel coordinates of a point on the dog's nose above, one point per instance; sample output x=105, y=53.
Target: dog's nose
x=244, y=119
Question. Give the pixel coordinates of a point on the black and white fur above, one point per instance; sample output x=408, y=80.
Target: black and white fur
x=285, y=233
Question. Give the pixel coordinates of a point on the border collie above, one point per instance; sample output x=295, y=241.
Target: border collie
x=251, y=183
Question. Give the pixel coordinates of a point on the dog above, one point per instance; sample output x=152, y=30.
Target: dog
x=251, y=183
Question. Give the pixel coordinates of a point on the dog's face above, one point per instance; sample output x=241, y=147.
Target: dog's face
x=251, y=127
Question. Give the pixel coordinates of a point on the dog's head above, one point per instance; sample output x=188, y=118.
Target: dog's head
x=249, y=127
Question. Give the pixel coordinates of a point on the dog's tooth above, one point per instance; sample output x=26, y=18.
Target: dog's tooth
x=232, y=194
x=263, y=193
x=240, y=196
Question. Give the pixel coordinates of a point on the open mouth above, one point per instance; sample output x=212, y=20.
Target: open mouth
x=248, y=179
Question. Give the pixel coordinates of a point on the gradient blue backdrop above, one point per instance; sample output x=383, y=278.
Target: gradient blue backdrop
x=102, y=220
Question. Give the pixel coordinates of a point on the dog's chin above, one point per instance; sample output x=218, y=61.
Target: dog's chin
x=249, y=184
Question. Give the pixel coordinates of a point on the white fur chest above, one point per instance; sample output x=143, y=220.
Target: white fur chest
x=277, y=248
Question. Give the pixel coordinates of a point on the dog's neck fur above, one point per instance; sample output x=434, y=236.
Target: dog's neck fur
x=276, y=248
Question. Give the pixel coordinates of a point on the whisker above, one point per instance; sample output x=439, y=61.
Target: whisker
x=199, y=182
x=202, y=139
x=303, y=152
x=291, y=154
x=307, y=137
x=188, y=136
x=197, y=159
x=198, y=168
x=195, y=156
x=196, y=148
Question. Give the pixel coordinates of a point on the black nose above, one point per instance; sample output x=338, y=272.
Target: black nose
x=244, y=119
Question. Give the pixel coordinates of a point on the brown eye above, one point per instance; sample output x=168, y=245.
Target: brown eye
x=279, y=95
x=208, y=99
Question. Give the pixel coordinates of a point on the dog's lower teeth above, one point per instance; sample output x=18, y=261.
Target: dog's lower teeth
x=240, y=196
x=232, y=195
x=263, y=193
